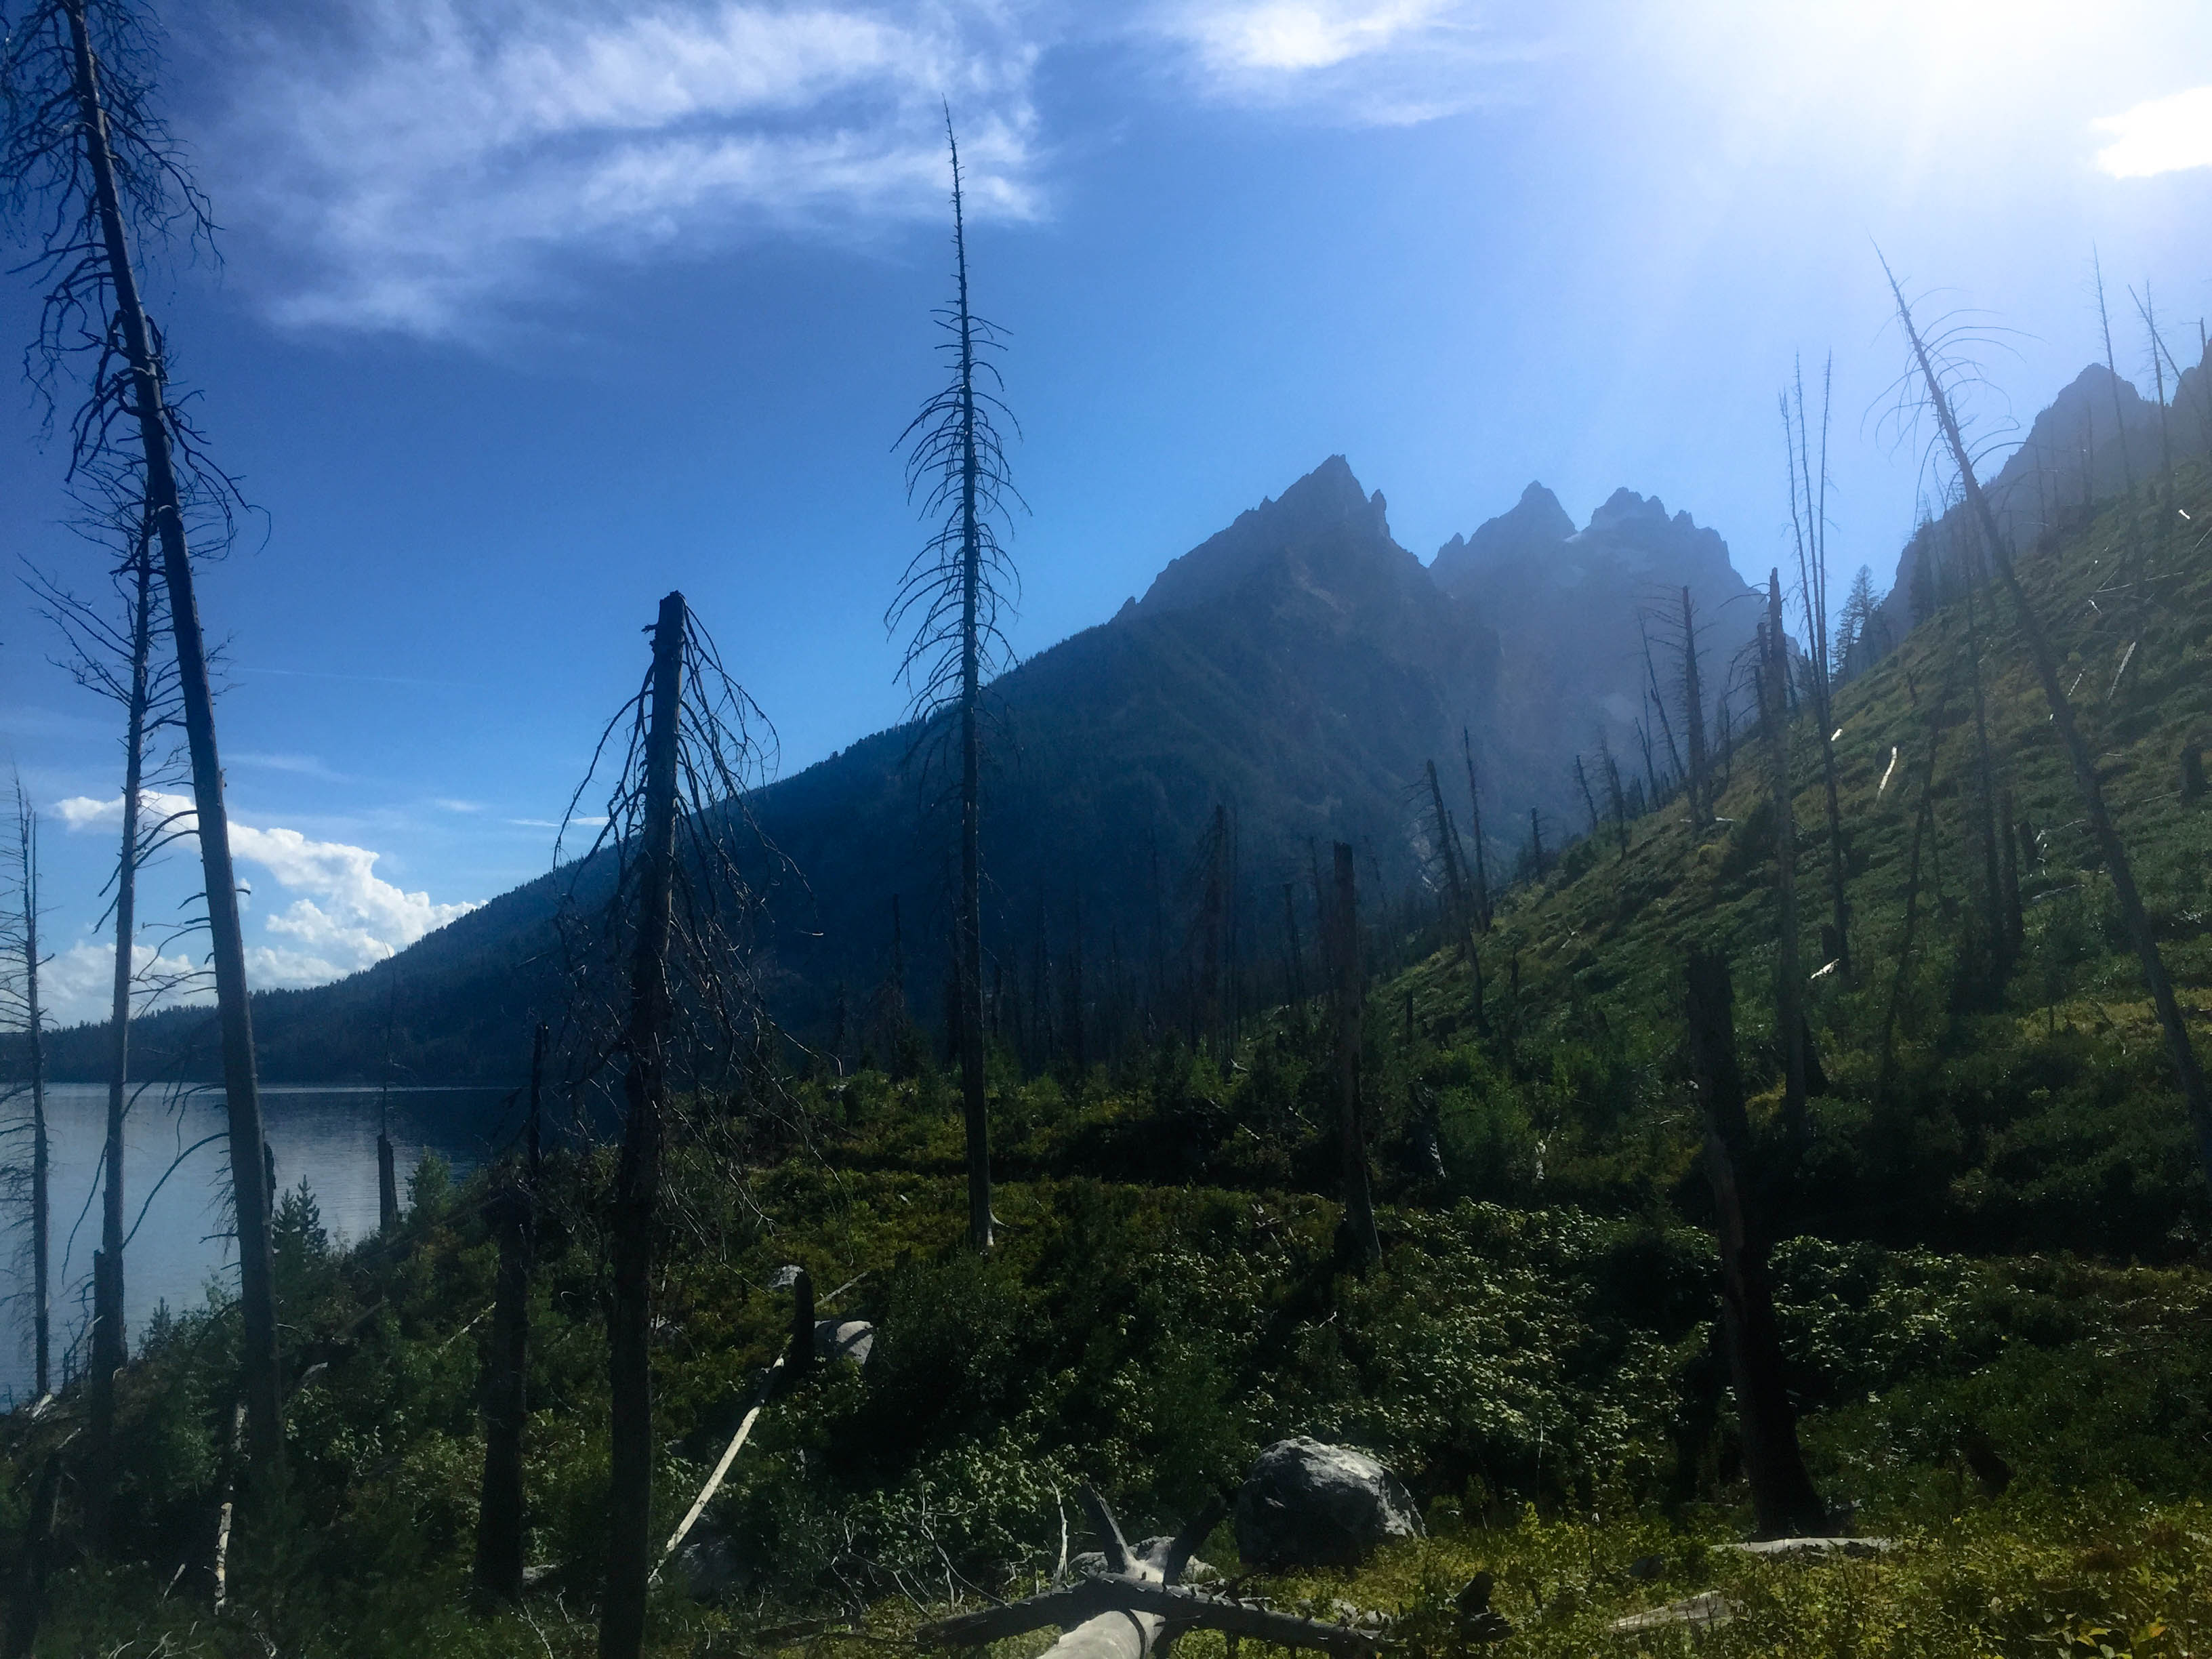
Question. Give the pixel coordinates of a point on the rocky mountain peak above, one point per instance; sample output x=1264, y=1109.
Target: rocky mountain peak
x=1325, y=519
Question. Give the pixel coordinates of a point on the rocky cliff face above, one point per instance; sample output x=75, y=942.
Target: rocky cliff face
x=1571, y=611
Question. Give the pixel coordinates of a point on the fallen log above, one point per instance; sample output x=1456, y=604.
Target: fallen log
x=1137, y=1604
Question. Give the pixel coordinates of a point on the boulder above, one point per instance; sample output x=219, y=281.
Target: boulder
x=1308, y=1504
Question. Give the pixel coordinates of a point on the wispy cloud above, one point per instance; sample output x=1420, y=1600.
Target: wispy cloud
x=430, y=167
x=2167, y=135
x=1361, y=62
x=305, y=766
x=420, y=157
x=346, y=916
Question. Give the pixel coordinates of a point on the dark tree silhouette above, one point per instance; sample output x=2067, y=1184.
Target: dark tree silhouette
x=660, y=984
x=951, y=599
x=85, y=164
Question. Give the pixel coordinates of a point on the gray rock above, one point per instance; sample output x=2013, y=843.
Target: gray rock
x=1310, y=1505
x=844, y=1339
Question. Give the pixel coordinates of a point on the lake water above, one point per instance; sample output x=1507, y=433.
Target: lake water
x=327, y=1136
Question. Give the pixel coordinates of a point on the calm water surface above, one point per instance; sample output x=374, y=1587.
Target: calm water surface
x=325, y=1136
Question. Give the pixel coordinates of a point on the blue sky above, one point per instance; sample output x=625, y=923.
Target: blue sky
x=531, y=312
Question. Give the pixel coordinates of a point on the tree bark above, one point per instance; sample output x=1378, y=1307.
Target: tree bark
x=637, y=1176
x=251, y=1198
x=2188, y=1076
x=1782, y=1495
x=1343, y=922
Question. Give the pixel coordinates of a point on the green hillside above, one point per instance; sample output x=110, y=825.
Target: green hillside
x=1993, y=1305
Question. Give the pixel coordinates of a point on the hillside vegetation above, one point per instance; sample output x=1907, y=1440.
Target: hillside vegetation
x=1995, y=1306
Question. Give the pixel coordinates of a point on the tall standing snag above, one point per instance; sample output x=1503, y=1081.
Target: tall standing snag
x=21, y=926
x=951, y=595
x=86, y=159
x=1782, y=1495
x=1788, y=985
x=2188, y=1076
x=659, y=985
x=637, y=1176
x=1349, y=996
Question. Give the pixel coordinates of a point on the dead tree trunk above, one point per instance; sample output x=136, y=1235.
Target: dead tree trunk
x=1343, y=922
x=513, y=1215
x=1985, y=801
x=1782, y=1495
x=34, y=1036
x=637, y=1178
x=107, y=1336
x=1295, y=989
x=250, y=1197
x=1474, y=824
x=1694, y=709
x=1923, y=821
x=2187, y=1074
x=1789, y=980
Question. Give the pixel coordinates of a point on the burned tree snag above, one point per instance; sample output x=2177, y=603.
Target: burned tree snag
x=1699, y=782
x=1295, y=989
x=1782, y=1495
x=1789, y=982
x=1349, y=998
x=1474, y=824
x=637, y=1177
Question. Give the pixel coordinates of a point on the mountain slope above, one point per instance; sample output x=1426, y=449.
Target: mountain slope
x=1295, y=669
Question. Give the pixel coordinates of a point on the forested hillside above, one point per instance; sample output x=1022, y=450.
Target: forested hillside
x=1986, y=1270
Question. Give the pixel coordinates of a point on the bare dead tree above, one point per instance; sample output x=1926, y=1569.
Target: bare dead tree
x=1783, y=1498
x=1808, y=522
x=112, y=654
x=1923, y=819
x=1659, y=703
x=21, y=1004
x=1481, y=894
x=85, y=164
x=1349, y=999
x=951, y=598
x=1699, y=780
x=1937, y=370
x=659, y=982
x=1789, y=981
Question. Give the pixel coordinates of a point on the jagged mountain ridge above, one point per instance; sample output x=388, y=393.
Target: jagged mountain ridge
x=1298, y=668
x=2098, y=436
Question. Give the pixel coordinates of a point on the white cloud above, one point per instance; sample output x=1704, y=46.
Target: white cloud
x=78, y=984
x=2166, y=135
x=422, y=157
x=345, y=918
x=1368, y=62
